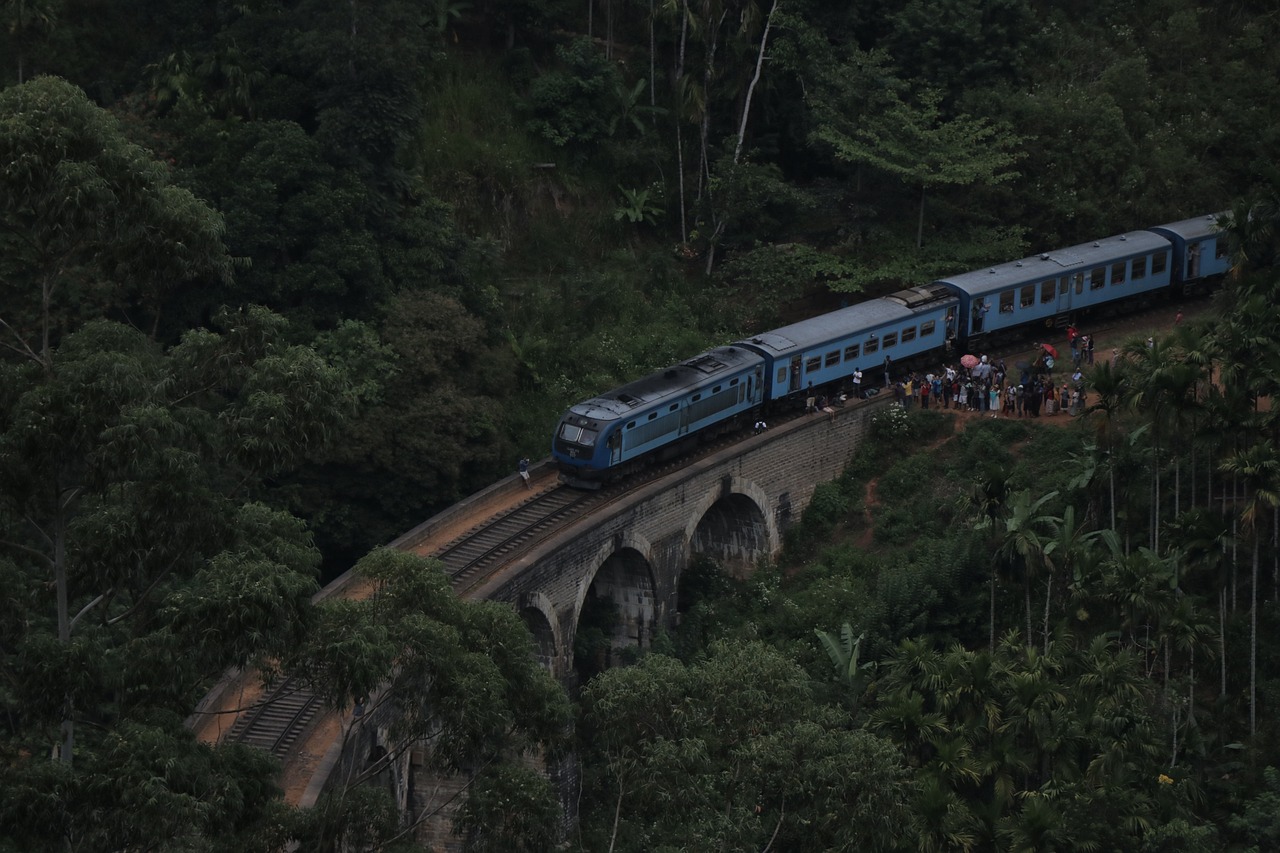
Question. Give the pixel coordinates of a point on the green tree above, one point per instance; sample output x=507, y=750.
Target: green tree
x=464, y=683
x=90, y=224
x=1258, y=466
x=918, y=143
x=731, y=753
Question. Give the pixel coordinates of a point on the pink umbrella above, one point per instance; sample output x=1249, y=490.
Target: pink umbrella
x=969, y=362
x=1049, y=349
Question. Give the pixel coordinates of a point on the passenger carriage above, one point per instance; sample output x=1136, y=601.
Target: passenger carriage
x=1200, y=249
x=1059, y=283
x=825, y=350
x=659, y=415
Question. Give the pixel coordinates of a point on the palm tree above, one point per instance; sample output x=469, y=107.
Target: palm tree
x=1109, y=385
x=991, y=491
x=1069, y=546
x=1258, y=466
x=1022, y=541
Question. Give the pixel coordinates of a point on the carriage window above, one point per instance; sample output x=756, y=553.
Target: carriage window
x=812, y=363
x=733, y=382
x=782, y=375
x=631, y=425
x=1097, y=277
x=673, y=407
x=1220, y=248
x=1117, y=273
x=1006, y=302
x=926, y=329
x=1139, y=268
x=653, y=415
x=1158, y=262
x=890, y=339
x=588, y=438
x=832, y=359
x=1027, y=297
x=870, y=346
x=1079, y=283
x=851, y=352
x=909, y=334
x=716, y=390
x=1047, y=290
x=1064, y=285
x=569, y=432
x=697, y=397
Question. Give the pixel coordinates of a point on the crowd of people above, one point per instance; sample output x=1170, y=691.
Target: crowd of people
x=984, y=384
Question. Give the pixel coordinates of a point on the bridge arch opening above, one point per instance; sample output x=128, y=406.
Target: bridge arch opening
x=544, y=637
x=733, y=532
x=618, y=615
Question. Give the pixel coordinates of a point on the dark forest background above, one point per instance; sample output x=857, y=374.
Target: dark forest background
x=279, y=280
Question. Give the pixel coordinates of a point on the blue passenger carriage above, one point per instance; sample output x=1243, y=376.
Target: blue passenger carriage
x=1056, y=284
x=658, y=415
x=1200, y=250
x=825, y=350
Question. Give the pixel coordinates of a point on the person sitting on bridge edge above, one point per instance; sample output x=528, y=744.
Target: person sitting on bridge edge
x=524, y=471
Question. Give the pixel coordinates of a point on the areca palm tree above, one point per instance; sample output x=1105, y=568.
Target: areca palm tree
x=991, y=491
x=1024, y=537
x=1258, y=466
x=1069, y=546
x=1109, y=385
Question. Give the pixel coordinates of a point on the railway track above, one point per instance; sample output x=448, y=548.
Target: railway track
x=279, y=719
x=470, y=558
x=283, y=716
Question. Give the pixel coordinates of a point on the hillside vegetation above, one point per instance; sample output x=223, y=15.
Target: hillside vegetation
x=278, y=280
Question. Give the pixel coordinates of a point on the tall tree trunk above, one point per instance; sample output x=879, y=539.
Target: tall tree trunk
x=1253, y=643
x=68, y=726
x=751, y=88
x=678, y=76
x=920, y=221
x=1048, y=596
x=992, y=641
x=653, y=60
x=1222, y=638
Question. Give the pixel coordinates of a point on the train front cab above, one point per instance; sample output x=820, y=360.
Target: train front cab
x=1200, y=251
x=658, y=416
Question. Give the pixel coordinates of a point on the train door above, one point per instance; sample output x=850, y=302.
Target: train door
x=615, y=446
x=795, y=374
x=1193, y=261
x=684, y=418
x=1064, y=295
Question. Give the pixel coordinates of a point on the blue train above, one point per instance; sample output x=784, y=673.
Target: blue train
x=727, y=388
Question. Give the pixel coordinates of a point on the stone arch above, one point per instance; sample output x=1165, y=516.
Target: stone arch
x=732, y=526
x=538, y=615
x=624, y=576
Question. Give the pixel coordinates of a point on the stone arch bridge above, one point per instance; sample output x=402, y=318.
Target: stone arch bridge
x=734, y=505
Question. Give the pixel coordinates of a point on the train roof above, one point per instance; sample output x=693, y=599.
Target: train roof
x=1055, y=262
x=1196, y=228
x=678, y=379
x=844, y=322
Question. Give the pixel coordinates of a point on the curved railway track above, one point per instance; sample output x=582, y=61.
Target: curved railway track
x=282, y=716
x=279, y=719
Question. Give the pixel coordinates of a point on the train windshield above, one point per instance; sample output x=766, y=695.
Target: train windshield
x=578, y=435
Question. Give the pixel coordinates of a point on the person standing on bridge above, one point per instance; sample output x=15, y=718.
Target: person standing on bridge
x=524, y=471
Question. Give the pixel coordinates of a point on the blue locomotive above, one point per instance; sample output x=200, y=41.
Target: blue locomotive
x=725, y=389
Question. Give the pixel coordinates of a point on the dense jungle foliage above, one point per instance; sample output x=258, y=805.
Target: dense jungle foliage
x=280, y=279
